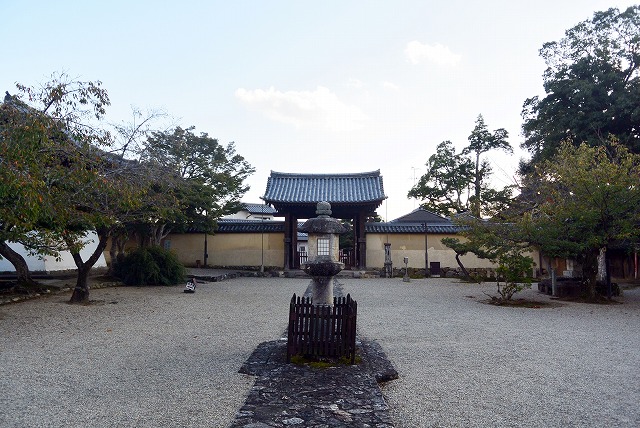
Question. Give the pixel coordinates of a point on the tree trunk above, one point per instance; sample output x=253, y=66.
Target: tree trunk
x=474, y=202
x=118, y=242
x=142, y=238
x=113, y=254
x=158, y=233
x=602, y=264
x=81, y=291
x=20, y=265
x=590, y=272
x=464, y=271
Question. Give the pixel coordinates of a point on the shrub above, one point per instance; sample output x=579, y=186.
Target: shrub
x=513, y=268
x=150, y=266
x=476, y=277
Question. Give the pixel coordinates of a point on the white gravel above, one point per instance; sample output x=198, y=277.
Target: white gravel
x=463, y=363
x=157, y=357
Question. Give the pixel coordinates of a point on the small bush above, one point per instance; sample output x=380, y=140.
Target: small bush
x=150, y=266
x=476, y=277
x=513, y=268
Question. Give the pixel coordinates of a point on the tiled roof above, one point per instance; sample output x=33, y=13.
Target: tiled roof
x=259, y=208
x=415, y=222
x=252, y=226
x=249, y=226
x=363, y=187
x=270, y=226
x=410, y=227
x=420, y=215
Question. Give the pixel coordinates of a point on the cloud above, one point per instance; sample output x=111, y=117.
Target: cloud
x=355, y=83
x=417, y=52
x=390, y=85
x=320, y=108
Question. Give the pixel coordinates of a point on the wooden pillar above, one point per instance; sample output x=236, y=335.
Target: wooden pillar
x=353, y=254
x=287, y=241
x=355, y=258
x=360, y=240
x=294, y=242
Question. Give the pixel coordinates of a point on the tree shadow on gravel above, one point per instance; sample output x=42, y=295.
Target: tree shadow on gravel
x=519, y=303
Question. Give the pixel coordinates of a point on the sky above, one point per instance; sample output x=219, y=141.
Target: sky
x=306, y=87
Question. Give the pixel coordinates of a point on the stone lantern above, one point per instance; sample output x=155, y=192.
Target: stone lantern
x=324, y=249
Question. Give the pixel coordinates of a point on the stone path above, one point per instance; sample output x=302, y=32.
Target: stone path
x=337, y=396
x=300, y=395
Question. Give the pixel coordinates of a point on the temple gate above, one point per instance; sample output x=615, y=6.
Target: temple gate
x=352, y=197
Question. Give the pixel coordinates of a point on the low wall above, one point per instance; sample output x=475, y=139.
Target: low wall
x=412, y=246
x=228, y=249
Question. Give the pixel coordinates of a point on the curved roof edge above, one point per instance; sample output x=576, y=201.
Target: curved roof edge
x=392, y=227
x=277, y=226
x=328, y=174
x=345, y=188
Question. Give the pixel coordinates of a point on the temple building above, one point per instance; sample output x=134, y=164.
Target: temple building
x=353, y=197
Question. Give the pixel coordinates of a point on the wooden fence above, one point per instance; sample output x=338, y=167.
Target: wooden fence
x=322, y=331
x=346, y=257
x=302, y=257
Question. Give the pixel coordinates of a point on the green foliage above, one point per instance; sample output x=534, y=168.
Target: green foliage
x=476, y=277
x=458, y=182
x=43, y=157
x=474, y=245
x=50, y=169
x=323, y=362
x=197, y=180
x=580, y=201
x=482, y=141
x=346, y=239
x=444, y=188
x=150, y=266
x=500, y=242
x=587, y=197
x=460, y=248
x=592, y=83
x=514, y=268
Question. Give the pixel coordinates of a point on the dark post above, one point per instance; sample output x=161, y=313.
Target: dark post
x=405, y=278
x=262, y=244
x=426, y=253
x=287, y=241
x=294, y=243
x=206, y=249
x=361, y=241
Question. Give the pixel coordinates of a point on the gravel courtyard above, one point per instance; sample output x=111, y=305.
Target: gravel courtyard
x=157, y=357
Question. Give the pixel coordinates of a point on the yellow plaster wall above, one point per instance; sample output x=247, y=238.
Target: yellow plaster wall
x=229, y=249
x=412, y=246
x=245, y=249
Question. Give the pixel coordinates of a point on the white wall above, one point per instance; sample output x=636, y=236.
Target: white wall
x=35, y=264
x=50, y=264
x=246, y=215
